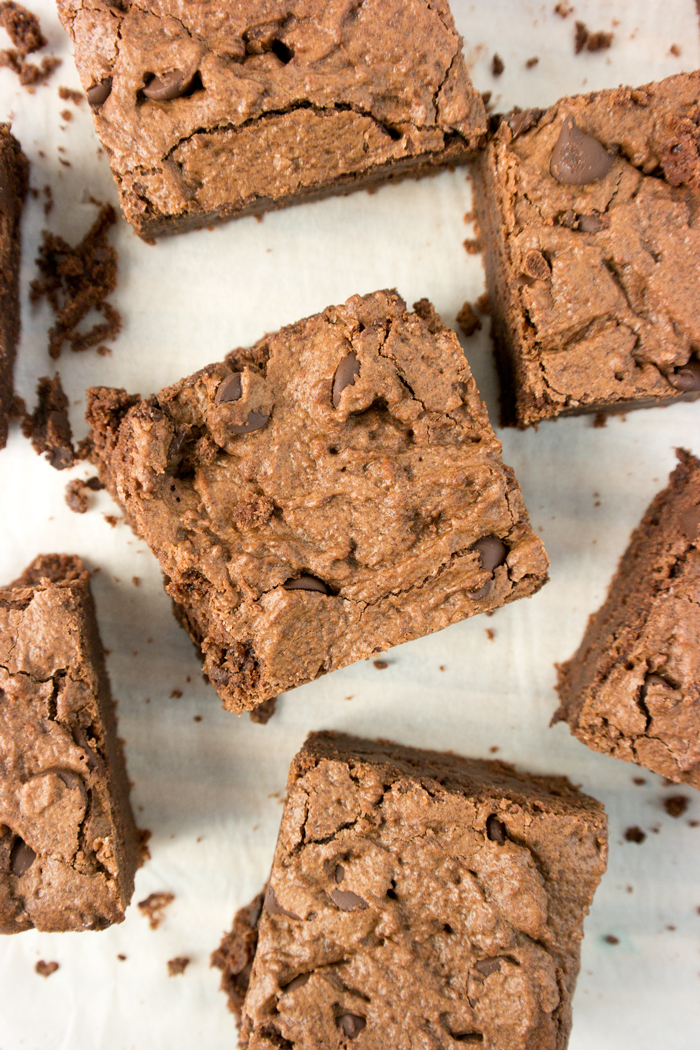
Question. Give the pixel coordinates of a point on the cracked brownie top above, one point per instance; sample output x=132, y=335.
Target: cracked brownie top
x=416, y=892
x=592, y=219
x=330, y=492
x=213, y=109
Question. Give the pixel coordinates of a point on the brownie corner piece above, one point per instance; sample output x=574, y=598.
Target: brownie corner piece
x=416, y=892
x=191, y=102
x=589, y=216
x=14, y=183
x=632, y=689
x=68, y=844
x=333, y=491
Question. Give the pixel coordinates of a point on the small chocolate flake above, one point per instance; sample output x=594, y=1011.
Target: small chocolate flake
x=339, y=873
x=578, y=158
x=638, y=781
x=532, y=62
x=176, y=694
x=590, y=223
x=168, y=86
x=497, y=65
x=346, y=900
x=612, y=939
x=45, y=969
x=488, y=966
x=635, y=834
x=306, y=583
x=296, y=982
x=178, y=965
x=381, y=665
x=687, y=377
x=273, y=907
x=521, y=121
x=496, y=830
x=492, y=552
x=676, y=805
x=345, y=375
x=351, y=1024
x=229, y=389
x=98, y=94
x=121, y=957
x=22, y=857
x=467, y=320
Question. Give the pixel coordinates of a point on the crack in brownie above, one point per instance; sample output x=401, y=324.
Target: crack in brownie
x=212, y=111
x=416, y=899
x=632, y=689
x=334, y=490
x=68, y=844
x=14, y=183
x=589, y=217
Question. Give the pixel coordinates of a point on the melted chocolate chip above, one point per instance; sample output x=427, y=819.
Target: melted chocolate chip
x=229, y=389
x=578, y=158
x=339, y=873
x=519, y=123
x=273, y=907
x=344, y=376
x=296, y=982
x=99, y=93
x=488, y=966
x=346, y=900
x=590, y=224
x=168, y=86
x=482, y=592
x=22, y=857
x=496, y=830
x=255, y=421
x=306, y=583
x=350, y=1024
x=687, y=377
x=492, y=552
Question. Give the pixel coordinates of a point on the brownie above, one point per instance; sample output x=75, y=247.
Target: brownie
x=589, y=217
x=68, y=844
x=212, y=111
x=14, y=183
x=332, y=491
x=632, y=689
x=419, y=899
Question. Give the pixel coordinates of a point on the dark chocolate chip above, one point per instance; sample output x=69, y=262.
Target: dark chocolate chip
x=306, y=583
x=521, y=122
x=296, y=982
x=496, y=830
x=22, y=857
x=229, y=389
x=488, y=966
x=168, y=86
x=344, y=376
x=351, y=1024
x=578, y=158
x=492, y=552
x=255, y=421
x=687, y=377
x=273, y=907
x=99, y=93
x=339, y=873
x=590, y=224
x=482, y=592
x=346, y=900
x=690, y=522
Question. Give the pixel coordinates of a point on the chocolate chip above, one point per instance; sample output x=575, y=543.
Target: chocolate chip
x=168, y=86
x=590, y=224
x=273, y=907
x=339, y=873
x=296, y=982
x=22, y=857
x=99, y=93
x=482, y=592
x=521, y=122
x=346, y=900
x=306, y=583
x=344, y=376
x=690, y=522
x=351, y=1024
x=488, y=966
x=687, y=377
x=492, y=552
x=496, y=830
x=229, y=389
x=535, y=265
x=578, y=158
x=255, y=421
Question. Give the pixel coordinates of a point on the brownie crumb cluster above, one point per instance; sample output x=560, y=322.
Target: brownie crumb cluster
x=24, y=31
x=14, y=183
x=49, y=427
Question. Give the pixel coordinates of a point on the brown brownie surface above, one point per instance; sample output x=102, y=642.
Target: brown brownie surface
x=417, y=894
x=632, y=689
x=330, y=492
x=210, y=111
x=68, y=844
x=593, y=270
x=14, y=182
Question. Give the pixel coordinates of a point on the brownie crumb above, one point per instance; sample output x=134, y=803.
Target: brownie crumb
x=600, y=419
x=467, y=320
x=45, y=969
x=675, y=50
x=48, y=201
x=122, y=958
x=635, y=834
x=638, y=780
x=48, y=428
x=234, y=956
x=153, y=907
x=563, y=10
x=76, y=497
x=676, y=805
x=68, y=95
x=66, y=115
x=264, y=711
x=532, y=62
x=490, y=634
x=483, y=303
x=590, y=41
x=76, y=281
x=112, y=520
x=497, y=65
x=24, y=31
x=612, y=939
x=381, y=665
x=176, y=694
x=486, y=99
x=472, y=246
x=178, y=965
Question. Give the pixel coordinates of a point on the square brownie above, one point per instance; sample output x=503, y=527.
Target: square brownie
x=632, y=689
x=332, y=491
x=589, y=214
x=418, y=899
x=68, y=844
x=217, y=110
x=14, y=183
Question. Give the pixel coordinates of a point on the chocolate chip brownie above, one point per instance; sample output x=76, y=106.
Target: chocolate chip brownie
x=632, y=689
x=68, y=844
x=590, y=218
x=418, y=899
x=14, y=182
x=332, y=491
x=212, y=111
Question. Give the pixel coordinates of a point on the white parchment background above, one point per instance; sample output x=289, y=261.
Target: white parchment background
x=210, y=790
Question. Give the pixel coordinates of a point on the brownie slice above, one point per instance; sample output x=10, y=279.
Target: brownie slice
x=589, y=217
x=212, y=111
x=14, y=182
x=68, y=844
x=332, y=491
x=420, y=899
x=632, y=689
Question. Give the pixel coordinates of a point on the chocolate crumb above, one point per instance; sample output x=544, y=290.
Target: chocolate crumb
x=600, y=419
x=590, y=41
x=68, y=95
x=490, y=634
x=75, y=496
x=494, y=749
x=24, y=30
x=612, y=939
x=635, y=834
x=676, y=805
x=197, y=718
x=381, y=665
x=48, y=428
x=153, y=907
x=45, y=969
x=234, y=956
x=675, y=50
x=178, y=965
x=467, y=320
x=264, y=712
x=483, y=303
x=122, y=958
x=66, y=115
x=497, y=65
x=48, y=203
x=563, y=10
x=111, y=519
x=638, y=780
x=472, y=246
x=176, y=694
x=531, y=62
x=136, y=580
